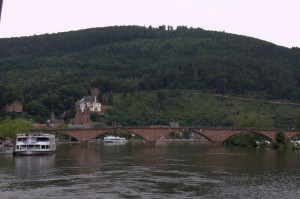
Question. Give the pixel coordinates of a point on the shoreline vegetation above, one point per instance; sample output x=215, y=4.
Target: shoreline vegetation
x=253, y=140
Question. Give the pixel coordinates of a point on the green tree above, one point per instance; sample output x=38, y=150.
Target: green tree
x=186, y=135
x=281, y=141
x=36, y=108
x=9, y=127
x=297, y=123
x=160, y=98
x=129, y=86
x=280, y=137
x=110, y=99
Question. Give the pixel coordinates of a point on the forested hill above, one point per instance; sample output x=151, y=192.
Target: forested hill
x=64, y=66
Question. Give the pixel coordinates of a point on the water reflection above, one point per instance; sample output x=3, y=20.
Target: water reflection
x=164, y=170
x=28, y=164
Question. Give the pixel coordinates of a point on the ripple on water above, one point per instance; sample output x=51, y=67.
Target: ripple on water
x=165, y=173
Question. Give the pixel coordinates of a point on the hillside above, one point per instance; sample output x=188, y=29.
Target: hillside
x=50, y=72
x=190, y=108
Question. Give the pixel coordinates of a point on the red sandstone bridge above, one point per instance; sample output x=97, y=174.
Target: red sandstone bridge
x=154, y=134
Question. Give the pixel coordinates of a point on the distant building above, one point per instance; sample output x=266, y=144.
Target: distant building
x=84, y=107
x=90, y=102
x=174, y=124
x=16, y=106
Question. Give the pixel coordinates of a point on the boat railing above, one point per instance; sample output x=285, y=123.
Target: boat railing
x=34, y=135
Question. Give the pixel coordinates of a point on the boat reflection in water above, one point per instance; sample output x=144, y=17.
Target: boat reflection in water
x=29, y=167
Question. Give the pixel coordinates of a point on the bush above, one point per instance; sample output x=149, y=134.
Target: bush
x=280, y=137
x=275, y=145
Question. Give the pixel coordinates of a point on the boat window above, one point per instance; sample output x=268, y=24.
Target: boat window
x=43, y=146
x=22, y=139
x=42, y=139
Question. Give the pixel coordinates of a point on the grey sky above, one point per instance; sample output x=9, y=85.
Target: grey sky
x=272, y=20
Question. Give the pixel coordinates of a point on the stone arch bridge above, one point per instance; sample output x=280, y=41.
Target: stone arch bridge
x=154, y=134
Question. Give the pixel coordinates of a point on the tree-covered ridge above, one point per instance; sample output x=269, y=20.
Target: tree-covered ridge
x=50, y=72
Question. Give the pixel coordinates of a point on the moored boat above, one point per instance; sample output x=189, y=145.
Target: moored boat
x=114, y=139
x=34, y=144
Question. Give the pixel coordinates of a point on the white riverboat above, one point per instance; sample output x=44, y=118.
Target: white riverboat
x=114, y=139
x=35, y=144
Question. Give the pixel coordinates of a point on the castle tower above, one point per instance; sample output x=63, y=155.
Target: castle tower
x=95, y=92
x=83, y=117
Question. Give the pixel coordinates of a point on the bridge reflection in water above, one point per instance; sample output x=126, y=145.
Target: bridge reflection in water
x=154, y=134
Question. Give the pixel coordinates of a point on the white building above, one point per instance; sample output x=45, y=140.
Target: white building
x=89, y=102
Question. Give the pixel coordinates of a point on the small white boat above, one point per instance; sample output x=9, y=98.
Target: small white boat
x=114, y=139
x=34, y=144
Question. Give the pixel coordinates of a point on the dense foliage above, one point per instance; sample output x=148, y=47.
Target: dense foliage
x=50, y=72
x=281, y=142
x=190, y=108
x=9, y=127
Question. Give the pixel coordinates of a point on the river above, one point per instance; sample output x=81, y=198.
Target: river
x=164, y=170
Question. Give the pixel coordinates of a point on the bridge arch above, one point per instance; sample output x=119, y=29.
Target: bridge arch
x=201, y=134
x=219, y=135
x=117, y=132
x=63, y=136
x=247, y=138
x=252, y=132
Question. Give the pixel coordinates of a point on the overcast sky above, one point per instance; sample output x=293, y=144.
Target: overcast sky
x=276, y=21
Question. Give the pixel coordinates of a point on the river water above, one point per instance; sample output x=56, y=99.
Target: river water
x=163, y=170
